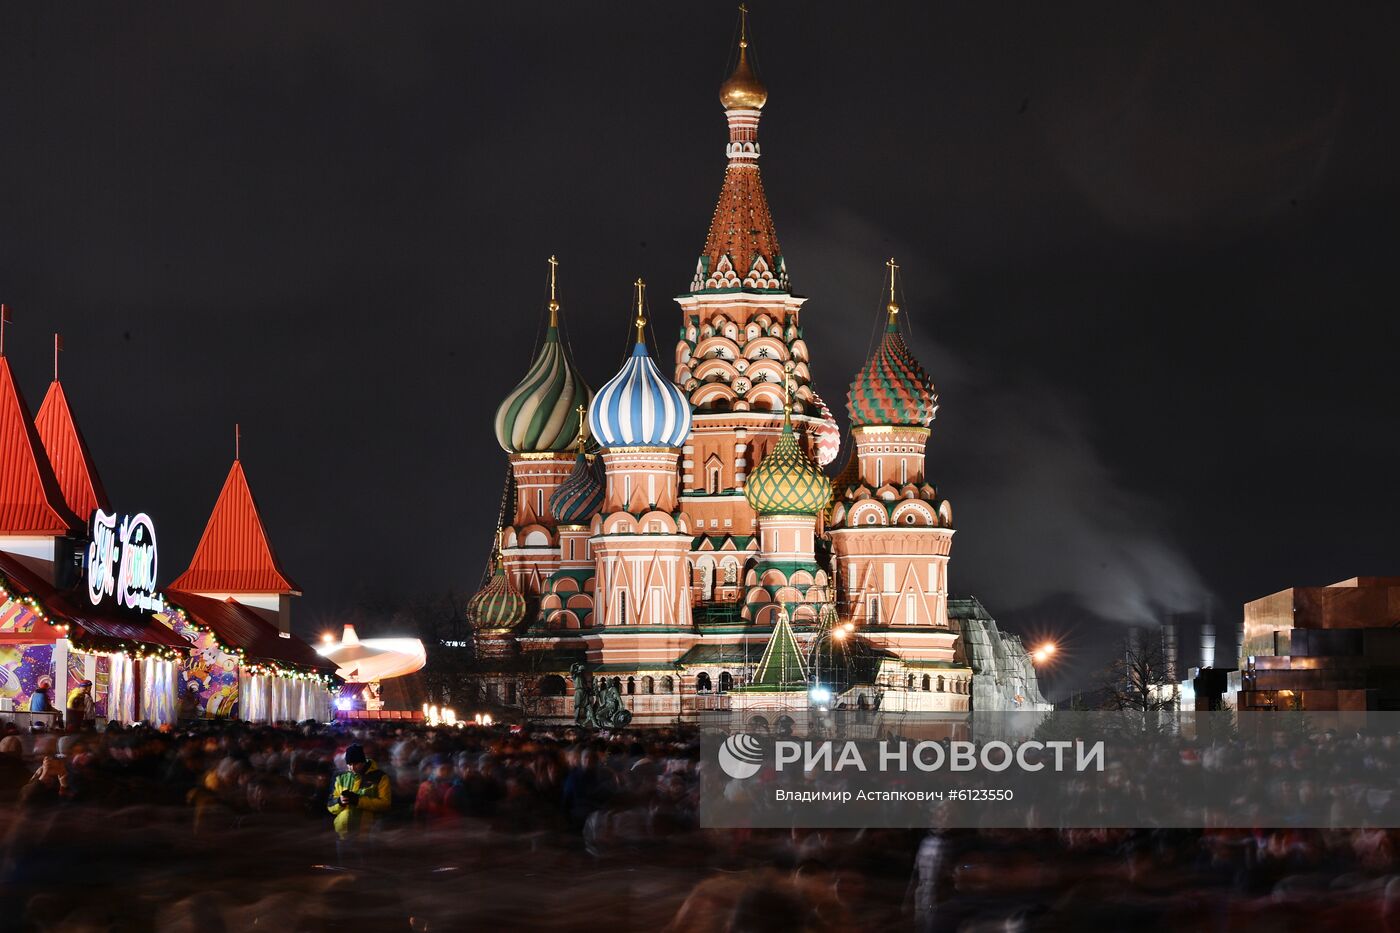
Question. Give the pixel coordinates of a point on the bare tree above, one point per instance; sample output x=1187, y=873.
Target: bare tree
x=1141, y=677
x=441, y=623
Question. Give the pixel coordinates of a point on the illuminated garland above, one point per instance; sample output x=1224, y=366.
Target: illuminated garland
x=139, y=651
x=272, y=669
x=135, y=651
x=169, y=609
x=262, y=669
x=7, y=594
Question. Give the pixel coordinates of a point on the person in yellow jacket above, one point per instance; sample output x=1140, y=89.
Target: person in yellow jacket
x=79, y=708
x=357, y=797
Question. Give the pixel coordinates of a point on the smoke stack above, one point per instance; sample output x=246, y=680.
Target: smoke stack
x=1169, y=648
x=1207, y=645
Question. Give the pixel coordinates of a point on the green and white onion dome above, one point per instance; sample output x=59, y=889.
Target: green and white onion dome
x=541, y=414
x=499, y=604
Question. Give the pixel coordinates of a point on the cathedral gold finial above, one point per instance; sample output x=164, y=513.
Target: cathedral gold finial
x=553, y=298
x=893, y=306
x=579, y=442
x=641, y=321
x=787, y=397
x=742, y=90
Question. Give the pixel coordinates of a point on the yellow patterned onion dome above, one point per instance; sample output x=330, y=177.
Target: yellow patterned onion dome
x=498, y=605
x=742, y=90
x=892, y=388
x=541, y=414
x=786, y=482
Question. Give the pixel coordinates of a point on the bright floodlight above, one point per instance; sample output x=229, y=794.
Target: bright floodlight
x=1048, y=648
x=849, y=627
x=820, y=694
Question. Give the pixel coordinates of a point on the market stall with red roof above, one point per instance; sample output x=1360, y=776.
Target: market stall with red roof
x=51, y=630
x=79, y=598
x=233, y=605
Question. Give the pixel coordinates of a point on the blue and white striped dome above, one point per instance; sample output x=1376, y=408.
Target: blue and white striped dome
x=639, y=407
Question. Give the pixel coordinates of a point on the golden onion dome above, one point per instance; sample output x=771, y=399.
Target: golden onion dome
x=742, y=90
x=786, y=482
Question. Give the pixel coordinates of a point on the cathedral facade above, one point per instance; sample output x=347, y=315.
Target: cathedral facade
x=677, y=529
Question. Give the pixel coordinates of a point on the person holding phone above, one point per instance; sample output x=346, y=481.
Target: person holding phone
x=358, y=796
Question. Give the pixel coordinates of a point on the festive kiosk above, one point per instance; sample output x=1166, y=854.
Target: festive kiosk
x=77, y=600
x=232, y=607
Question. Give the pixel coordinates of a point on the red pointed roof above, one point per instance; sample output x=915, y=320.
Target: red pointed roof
x=234, y=554
x=31, y=501
x=742, y=228
x=68, y=453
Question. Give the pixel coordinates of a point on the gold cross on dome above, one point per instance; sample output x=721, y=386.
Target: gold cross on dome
x=553, y=298
x=641, y=321
x=893, y=306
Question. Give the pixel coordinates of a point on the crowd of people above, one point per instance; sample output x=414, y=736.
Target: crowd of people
x=224, y=826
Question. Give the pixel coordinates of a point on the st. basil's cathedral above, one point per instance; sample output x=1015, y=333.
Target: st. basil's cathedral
x=676, y=534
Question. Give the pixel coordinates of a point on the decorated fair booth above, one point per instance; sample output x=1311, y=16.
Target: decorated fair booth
x=240, y=666
x=76, y=595
x=232, y=606
x=79, y=598
x=48, y=636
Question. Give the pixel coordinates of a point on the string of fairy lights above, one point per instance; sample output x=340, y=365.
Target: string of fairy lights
x=140, y=651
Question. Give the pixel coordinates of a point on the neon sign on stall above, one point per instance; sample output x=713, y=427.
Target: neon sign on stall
x=121, y=561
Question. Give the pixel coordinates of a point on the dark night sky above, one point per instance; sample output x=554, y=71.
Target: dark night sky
x=1148, y=257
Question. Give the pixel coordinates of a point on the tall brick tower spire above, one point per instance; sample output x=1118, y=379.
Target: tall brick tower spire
x=891, y=530
x=740, y=344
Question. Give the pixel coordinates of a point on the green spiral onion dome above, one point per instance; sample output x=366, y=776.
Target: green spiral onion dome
x=786, y=482
x=579, y=497
x=498, y=605
x=541, y=414
x=892, y=388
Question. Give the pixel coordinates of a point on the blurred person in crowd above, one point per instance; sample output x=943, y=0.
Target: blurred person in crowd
x=49, y=784
x=358, y=796
x=436, y=805
x=189, y=704
x=929, y=883
x=39, y=700
x=79, y=708
x=13, y=773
